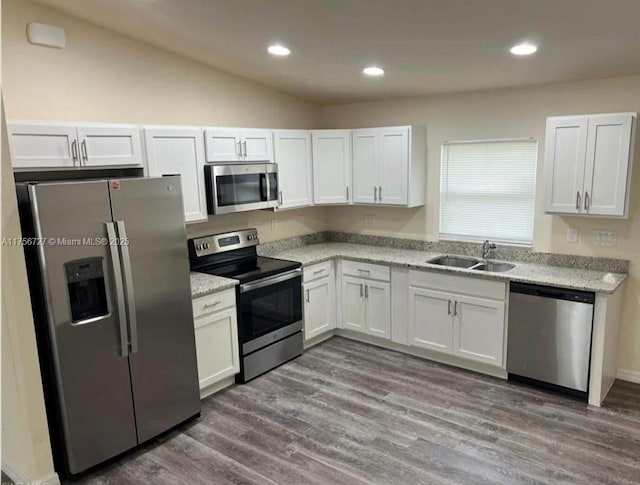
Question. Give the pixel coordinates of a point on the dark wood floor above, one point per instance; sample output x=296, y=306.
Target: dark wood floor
x=350, y=413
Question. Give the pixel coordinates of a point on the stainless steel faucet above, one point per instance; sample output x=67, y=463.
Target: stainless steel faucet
x=487, y=247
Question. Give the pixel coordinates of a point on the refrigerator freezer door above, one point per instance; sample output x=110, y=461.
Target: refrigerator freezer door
x=164, y=372
x=93, y=392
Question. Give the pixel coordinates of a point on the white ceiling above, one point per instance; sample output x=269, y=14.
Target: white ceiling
x=426, y=46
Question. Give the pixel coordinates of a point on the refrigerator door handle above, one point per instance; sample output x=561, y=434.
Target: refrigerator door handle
x=117, y=276
x=128, y=286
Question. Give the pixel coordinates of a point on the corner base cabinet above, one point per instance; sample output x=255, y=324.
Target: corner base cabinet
x=366, y=298
x=588, y=161
x=460, y=316
x=216, y=329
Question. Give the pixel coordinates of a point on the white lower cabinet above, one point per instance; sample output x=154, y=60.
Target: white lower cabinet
x=319, y=300
x=366, y=303
x=430, y=324
x=471, y=327
x=216, y=329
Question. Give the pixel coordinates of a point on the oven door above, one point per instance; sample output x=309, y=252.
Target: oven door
x=237, y=188
x=269, y=309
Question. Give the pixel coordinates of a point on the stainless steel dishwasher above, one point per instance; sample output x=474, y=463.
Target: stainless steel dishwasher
x=549, y=337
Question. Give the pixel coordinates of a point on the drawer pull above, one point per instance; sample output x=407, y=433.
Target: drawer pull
x=364, y=271
x=320, y=271
x=211, y=305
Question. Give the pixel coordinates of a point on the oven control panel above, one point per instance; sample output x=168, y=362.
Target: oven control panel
x=228, y=241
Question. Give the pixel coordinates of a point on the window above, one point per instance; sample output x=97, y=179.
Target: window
x=487, y=190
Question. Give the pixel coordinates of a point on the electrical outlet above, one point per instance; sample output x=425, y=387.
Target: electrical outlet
x=301, y=220
x=604, y=238
x=368, y=221
x=274, y=225
x=573, y=235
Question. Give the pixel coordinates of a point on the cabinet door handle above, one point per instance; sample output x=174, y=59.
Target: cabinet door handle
x=74, y=151
x=308, y=298
x=586, y=201
x=375, y=193
x=455, y=308
x=360, y=290
x=380, y=193
x=448, y=307
x=347, y=193
x=366, y=291
x=239, y=148
x=578, y=200
x=85, y=157
x=245, y=148
x=280, y=197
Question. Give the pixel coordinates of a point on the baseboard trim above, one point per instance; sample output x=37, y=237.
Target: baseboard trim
x=20, y=479
x=217, y=387
x=628, y=375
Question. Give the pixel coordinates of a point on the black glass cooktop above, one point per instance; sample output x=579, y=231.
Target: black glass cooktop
x=250, y=269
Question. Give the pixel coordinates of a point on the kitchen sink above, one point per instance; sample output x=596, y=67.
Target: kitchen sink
x=493, y=267
x=454, y=261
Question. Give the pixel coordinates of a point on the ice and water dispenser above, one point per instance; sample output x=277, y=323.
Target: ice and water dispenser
x=86, y=286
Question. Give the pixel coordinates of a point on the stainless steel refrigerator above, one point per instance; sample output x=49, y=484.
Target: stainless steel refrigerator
x=110, y=288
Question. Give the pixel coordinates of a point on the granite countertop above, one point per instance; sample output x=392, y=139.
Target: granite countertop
x=564, y=277
x=203, y=284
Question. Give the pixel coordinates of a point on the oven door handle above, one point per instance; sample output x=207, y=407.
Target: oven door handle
x=271, y=280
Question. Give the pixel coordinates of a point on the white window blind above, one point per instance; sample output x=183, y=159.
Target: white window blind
x=487, y=190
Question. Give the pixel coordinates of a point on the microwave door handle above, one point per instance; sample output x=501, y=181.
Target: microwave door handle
x=128, y=285
x=264, y=187
x=117, y=277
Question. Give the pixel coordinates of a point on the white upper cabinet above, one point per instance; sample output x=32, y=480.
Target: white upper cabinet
x=179, y=150
x=292, y=151
x=331, y=166
x=43, y=145
x=110, y=145
x=588, y=162
x=389, y=166
x=238, y=145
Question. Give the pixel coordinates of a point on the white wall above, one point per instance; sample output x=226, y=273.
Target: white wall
x=507, y=113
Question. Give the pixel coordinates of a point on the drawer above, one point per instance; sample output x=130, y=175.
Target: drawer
x=496, y=290
x=317, y=271
x=214, y=302
x=366, y=270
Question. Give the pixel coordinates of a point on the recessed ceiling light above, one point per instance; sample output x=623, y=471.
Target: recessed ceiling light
x=373, y=71
x=524, y=49
x=278, y=50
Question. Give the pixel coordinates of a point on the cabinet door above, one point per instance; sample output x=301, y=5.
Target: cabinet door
x=180, y=151
x=40, y=146
x=479, y=330
x=365, y=166
x=565, y=152
x=430, y=319
x=293, y=156
x=110, y=146
x=378, y=296
x=223, y=145
x=217, y=346
x=257, y=145
x=353, y=304
x=607, y=167
x=331, y=166
x=319, y=308
x=394, y=166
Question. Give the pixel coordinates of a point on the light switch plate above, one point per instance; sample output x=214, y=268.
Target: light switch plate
x=274, y=225
x=573, y=235
x=368, y=221
x=301, y=220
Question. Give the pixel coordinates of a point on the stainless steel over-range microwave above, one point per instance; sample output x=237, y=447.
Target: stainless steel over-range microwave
x=241, y=187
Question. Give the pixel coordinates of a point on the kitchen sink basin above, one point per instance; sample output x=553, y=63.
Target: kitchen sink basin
x=456, y=262
x=493, y=267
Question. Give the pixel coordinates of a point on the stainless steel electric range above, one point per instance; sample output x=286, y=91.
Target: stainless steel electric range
x=268, y=298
